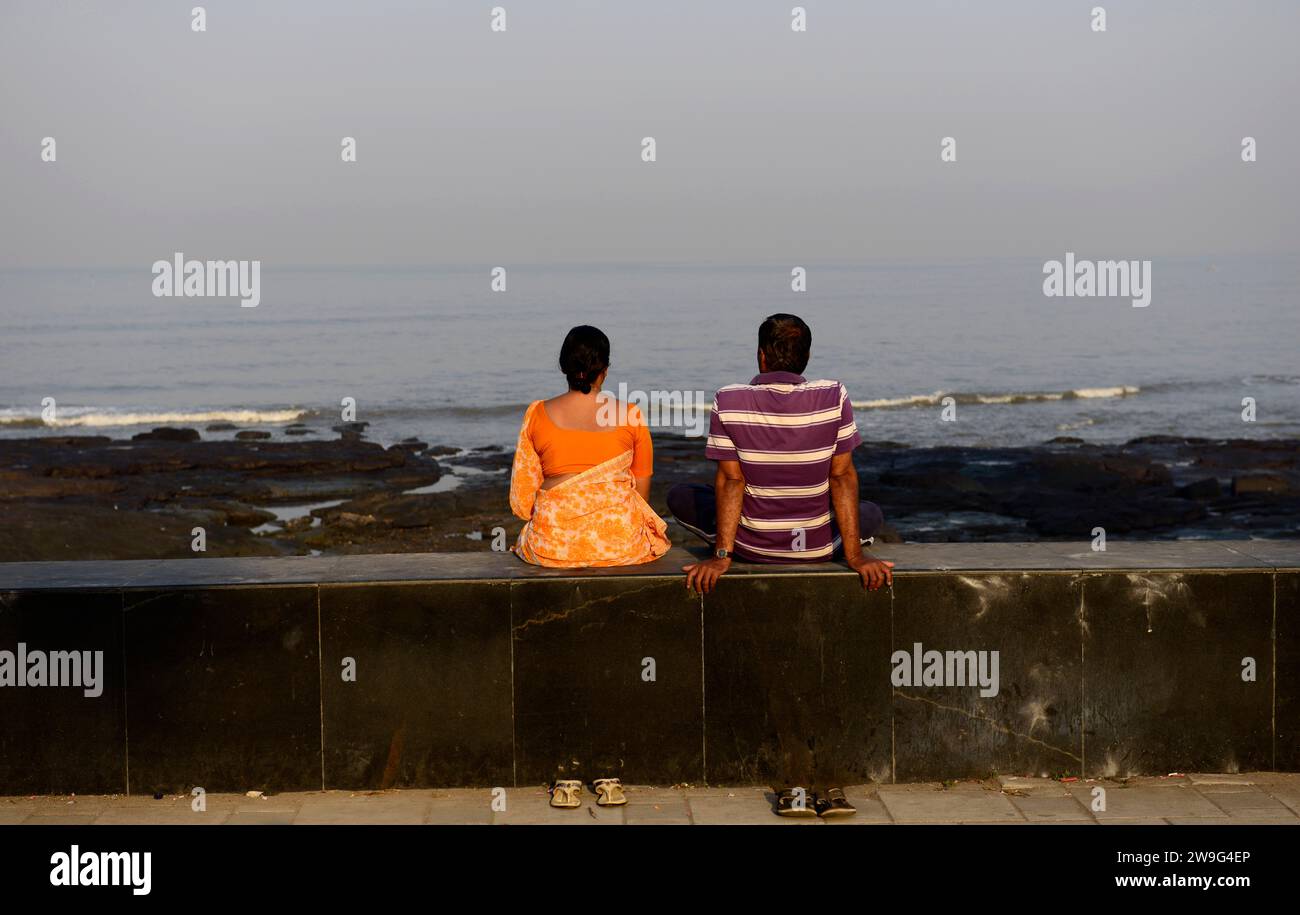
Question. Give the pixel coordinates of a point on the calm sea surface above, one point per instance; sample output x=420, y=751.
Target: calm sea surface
x=432, y=352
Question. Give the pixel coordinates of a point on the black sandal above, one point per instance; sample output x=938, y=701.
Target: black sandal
x=834, y=804
x=792, y=804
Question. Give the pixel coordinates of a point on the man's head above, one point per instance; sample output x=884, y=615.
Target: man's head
x=784, y=342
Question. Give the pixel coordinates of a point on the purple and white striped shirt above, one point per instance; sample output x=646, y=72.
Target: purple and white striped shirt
x=783, y=430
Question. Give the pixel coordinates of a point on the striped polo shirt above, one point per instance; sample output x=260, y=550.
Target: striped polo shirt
x=783, y=430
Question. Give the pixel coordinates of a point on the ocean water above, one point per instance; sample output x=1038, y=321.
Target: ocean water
x=432, y=352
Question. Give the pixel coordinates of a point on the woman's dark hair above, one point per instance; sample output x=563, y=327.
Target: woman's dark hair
x=583, y=356
x=786, y=342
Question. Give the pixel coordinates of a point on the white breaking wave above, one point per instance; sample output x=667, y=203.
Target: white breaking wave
x=84, y=417
x=926, y=400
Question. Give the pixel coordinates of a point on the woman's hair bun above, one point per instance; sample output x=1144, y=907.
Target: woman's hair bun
x=583, y=356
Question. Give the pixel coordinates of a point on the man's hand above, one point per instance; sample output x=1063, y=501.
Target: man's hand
x=702, y=576
x=874, y=572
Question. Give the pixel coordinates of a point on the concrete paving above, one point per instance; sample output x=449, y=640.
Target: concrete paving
x=1262, y=798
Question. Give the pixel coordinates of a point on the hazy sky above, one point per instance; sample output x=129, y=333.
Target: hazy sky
x=524, y=147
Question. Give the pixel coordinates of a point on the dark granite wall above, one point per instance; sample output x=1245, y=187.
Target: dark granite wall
x=374, y=672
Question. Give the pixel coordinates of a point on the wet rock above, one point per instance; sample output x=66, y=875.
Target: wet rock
x=220, y=427
x=1260, y=483
x=411, y=445
x=442, y=450
x=1206, y=489
x=167, y=434
x=252, y=435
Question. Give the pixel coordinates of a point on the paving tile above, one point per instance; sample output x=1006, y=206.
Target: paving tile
x=925, y=804
x=280, y=818
x=871, y=812
x=1138, y=821
x=1033, y=787
x=459, y=812
x=186, y=817
x=531, y=807
x=60, y=820
x=740, y=811
x=1144, y=802
x=1247, y=803
x=650, y=806
x=1232, y=821
x=396, y=808
x=1051, y=809
x=675, y=814
x=1220, y=778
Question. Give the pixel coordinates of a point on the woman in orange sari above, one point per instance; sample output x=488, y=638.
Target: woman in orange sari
x=580, y=481
x=582, y=470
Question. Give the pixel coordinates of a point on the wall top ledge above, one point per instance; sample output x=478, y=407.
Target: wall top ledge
x=911, y=558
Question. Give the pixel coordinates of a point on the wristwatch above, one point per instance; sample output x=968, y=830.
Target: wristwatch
x=720, y=553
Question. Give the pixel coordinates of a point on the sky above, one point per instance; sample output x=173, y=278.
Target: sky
x=476, y=147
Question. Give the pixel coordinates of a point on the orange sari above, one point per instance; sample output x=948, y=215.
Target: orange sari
x=596, y=518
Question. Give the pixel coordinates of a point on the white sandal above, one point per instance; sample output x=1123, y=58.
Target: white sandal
x=609, y=792
x=566, y=794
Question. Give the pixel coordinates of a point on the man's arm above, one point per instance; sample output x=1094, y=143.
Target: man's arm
x=844, y=498
x=729, y=490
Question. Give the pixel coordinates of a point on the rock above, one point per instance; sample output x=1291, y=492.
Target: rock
x=299, y=431
x=1065, y=440
x=1079, y=471
x=221, y=427
x=493, y=448
x=167, y=434
x=411, y=445
x=1165, y=440
x=883, y=443
x=252, y=435
x=442, y=450
x=350, y=427
x=1207, y=488
x=1260, y=483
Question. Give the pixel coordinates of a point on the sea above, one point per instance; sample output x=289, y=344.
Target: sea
x=961, y=352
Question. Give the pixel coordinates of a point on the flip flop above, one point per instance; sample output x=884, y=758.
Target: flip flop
x=609, y=792
x=566, y=794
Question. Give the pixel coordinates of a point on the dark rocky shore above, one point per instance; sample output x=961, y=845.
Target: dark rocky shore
x=91, y=497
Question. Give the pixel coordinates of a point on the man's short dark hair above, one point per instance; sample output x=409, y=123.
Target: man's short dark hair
x=785, y=341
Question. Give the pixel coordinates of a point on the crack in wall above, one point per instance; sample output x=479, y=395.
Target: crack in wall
x=991, y=723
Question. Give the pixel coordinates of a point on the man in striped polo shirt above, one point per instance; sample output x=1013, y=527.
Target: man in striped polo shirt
x=784, y=449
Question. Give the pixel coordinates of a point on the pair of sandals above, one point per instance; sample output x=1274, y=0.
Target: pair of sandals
x=567, y=793
x=828, y=804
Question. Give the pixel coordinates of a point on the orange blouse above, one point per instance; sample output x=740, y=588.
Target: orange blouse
x=576, y=450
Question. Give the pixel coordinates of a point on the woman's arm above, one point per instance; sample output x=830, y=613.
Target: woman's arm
x=642, y=453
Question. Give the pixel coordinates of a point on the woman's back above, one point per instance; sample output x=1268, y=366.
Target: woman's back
x=575, y=433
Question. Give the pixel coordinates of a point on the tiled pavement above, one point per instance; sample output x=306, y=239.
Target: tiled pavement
x=1267, y=798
